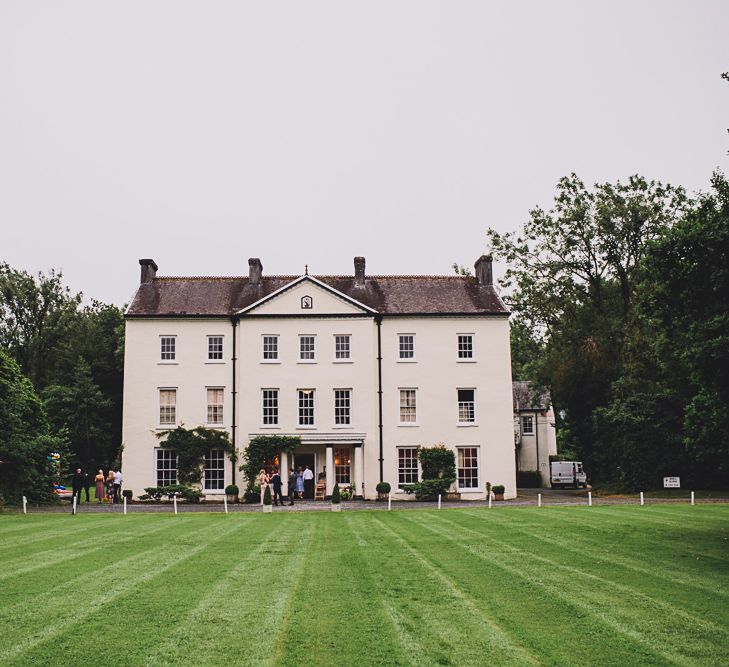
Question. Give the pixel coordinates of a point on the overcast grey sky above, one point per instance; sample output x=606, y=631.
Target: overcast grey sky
x=203, y=133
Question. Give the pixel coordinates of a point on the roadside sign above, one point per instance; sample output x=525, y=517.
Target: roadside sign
x=671, y=482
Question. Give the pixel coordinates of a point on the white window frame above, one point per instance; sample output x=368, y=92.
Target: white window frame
x=348, y=358
x=277, y=407
x=399, y=405
x=299, y=407
x=220, y=457
x=523, y=421
x=208, y=405
x=277, y=358
x=418, y=473
x=162, y=338
x=348, y=408
x=472, y=358
x=348, y=452
x=400, y=358
x=313, y=349
x=208, y=351
x=157, y=469
x=458, y=402
x=477, y=487
x=160, y=423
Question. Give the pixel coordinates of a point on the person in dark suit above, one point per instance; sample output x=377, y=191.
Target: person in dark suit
x=276, y=483
x=77, y=483
x=292, y=485
x=87, y=485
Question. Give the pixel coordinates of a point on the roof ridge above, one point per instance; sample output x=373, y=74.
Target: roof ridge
x=408, y=276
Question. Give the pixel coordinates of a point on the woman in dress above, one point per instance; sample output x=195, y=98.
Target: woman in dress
x=300, y=483
x=99, y=480
x=110, y=485
x=263, y=481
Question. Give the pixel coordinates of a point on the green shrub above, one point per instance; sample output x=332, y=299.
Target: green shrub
x=127, y=493
x=437, y=462
x=253, y=496
x=529, y=479
x=336, y=495
x=232, y=490
x=383, y=487
x=498, y=489
x=267, y=495
x=156, y=493
x=430, y=489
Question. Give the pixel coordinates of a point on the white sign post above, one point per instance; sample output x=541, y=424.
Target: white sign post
x=589, y=498
x=539, y=500
x=489, y=500
x=641, y=498
x=125, y=505
x=74, y=502
x=693, y=500
x=389, y=502
x=671, y=482
x=174, y=499
x=225, y=503
x=439, y=501
x=25, y=505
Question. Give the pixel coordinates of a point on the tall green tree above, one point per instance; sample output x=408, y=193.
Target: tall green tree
x=26, y=439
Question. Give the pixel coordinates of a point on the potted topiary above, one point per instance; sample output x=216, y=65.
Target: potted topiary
x=232, y=492
x=336, y=499
x=498, y=490
x=267, y=506
x=127, y=493
x=383, y=490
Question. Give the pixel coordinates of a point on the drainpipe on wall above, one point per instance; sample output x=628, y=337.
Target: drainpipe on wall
x=378, y=321
x=536, y=433
x=234, y=322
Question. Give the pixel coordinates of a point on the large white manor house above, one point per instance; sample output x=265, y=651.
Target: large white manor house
x=363, y=368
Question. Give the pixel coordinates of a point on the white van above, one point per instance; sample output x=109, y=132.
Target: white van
x=567, y=473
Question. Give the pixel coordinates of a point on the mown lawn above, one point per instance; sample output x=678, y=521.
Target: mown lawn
x=508, y=586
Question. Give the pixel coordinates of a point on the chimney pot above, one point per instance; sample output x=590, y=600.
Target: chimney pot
x=255, y=271
x=359, y=271
x=484, y=270
x=149, y=271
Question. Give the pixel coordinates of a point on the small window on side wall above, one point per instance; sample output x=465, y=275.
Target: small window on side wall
x=406, y=347
x=215, y=348
x=168, y=348
x=465, y=347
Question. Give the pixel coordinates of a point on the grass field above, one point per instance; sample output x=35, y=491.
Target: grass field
x=577, y=585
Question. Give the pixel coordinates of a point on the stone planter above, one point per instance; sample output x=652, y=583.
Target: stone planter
x=336, y=507
x=267, y=509
x=232, y=499
x=498, y=496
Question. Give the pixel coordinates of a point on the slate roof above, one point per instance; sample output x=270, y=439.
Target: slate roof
x=394, y=295
x=527, y=397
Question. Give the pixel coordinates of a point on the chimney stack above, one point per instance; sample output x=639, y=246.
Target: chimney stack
x=255, y=270
x=149, y=271
x=359, y=271
x=484, y=270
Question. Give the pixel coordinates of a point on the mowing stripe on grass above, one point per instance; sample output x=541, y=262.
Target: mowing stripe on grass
x=497, y=635
x=401, y=585
x=595, y=551
x=668, y=607
x=125, y=583
x=584, y=599
x=9, y=543
x=194, y=640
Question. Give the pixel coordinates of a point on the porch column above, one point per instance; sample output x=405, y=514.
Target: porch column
x=330, y=470
x=358, y=471
x=284, y=473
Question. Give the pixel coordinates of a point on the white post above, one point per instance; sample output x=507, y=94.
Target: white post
x=125, y=505
x=693, y=499
x=74, y=502
x=641, y=498
x=539, y=500
x=25, y=505
x=225, y=502
x=284, y=471
x=489, y=500
x=174, y=499
x=439, y=501
x=389, y=502
x=589, y=498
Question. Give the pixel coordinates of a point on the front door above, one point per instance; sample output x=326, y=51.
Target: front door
x=301, y=461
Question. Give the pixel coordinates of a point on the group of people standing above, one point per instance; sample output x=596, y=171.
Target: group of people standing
x=301, y=484
x=108, y=487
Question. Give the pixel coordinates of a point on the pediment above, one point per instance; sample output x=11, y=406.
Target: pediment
x=307, y=296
